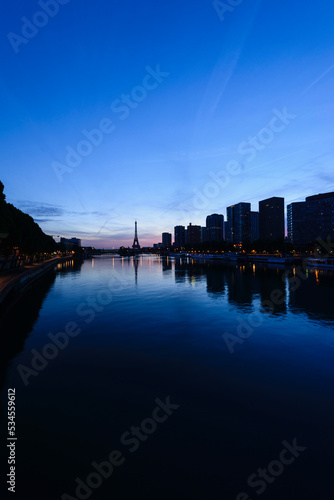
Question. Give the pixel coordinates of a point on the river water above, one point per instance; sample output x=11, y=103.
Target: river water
x=148, y=378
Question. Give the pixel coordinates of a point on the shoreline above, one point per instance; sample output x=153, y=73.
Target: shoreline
x=20, y=278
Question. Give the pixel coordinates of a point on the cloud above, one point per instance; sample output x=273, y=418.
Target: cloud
x=36, y=209
x=44, y=212
x=40, y=221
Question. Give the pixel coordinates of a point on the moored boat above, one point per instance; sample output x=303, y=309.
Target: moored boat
x=321, y=263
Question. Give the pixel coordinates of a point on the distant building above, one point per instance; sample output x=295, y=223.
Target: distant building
x=215, y=227
x=179, y=236
x=311, y=219
x=239, y=223
x=71, y=243
x=193, y=234
x=166, y=240
x=271, y=218
x=204, y=235
x=254, y=226
x=228, y=228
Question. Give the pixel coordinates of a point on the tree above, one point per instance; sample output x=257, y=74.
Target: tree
x=19, y=231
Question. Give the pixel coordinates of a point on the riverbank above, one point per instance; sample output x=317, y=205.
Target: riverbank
x=21, y=277
x=231, y=257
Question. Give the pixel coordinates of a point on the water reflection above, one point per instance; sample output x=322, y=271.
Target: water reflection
x=15, y=328
x=180, y=271
x=162, y=335
x=279, y=289
x=166, y=264
x=70, y=266
x=314, y=295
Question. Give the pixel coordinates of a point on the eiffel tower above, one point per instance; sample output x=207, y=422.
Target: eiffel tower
x=135, y=244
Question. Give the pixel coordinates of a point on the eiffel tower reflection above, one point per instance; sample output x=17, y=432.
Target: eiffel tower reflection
x=136, y=264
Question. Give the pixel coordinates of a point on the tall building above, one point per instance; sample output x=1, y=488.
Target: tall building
x=215, y=227
x=193, y=234
x=297, y=222
x=204, y=234
x=271, y=218
x=179, y=236
x=239, y=223
x=311, y=219
x=166, y=240
x=228, y=228
x=254, y=226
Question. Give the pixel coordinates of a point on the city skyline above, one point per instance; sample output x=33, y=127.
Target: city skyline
x=136, y=124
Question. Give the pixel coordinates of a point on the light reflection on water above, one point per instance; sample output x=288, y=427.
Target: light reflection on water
x=158, y=330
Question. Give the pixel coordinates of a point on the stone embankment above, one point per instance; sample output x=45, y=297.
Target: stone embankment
x=21, y=277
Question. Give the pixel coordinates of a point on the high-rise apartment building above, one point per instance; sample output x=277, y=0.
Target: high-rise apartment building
x=239, y=223
x=271, y=218
x=215, y=227
x=179, y=236
x=311, y=219
x=254, y=226
x=166, y=240
x=193, y=234
x=204, y=234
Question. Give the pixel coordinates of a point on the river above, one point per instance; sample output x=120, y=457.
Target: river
x=149, y=377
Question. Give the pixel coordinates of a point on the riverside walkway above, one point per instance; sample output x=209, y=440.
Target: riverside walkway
x=19, y=277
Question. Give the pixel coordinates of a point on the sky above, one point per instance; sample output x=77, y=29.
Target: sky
x=162, y=112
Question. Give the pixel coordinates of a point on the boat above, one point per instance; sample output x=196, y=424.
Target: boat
x=321, y=263
x=281, y=260
x=273, y=259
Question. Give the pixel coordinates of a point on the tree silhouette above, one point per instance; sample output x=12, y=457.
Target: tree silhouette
x=19, y=234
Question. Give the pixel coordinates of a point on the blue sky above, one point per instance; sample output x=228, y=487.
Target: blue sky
x=201, y=92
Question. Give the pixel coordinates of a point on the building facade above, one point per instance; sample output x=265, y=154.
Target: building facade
x=239, y=223
x=179, y=236
x=166, y=240
x=271, y=218
x=215, y=227
x=254, y=226
x=204, y=234
x=193, y=234
x=311, y=219
x=72, y=243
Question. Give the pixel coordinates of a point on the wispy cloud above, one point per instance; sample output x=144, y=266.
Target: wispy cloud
x=42, y=212
x=36, y=209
